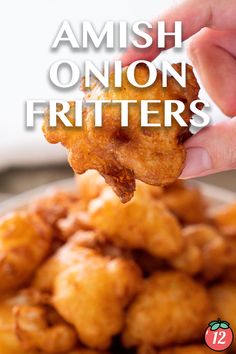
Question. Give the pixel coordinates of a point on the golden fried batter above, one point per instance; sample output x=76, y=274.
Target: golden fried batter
x=223, y=297
x=89, y=290
x=172, y=309
x=143, y=223
x=81, y=247
x=24, y=243
x=121, y=155
x=224, y=219
x=92, y=297
x=148, y=263
x=68, y=255
x=39, y=328
x=9, y=344
x=76, y=220
x=185, y=201
x=190, y=260
x=90, y=185
x=54, y=207
x=205, y=252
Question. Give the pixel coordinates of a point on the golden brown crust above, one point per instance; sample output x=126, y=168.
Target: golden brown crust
x=205, y=251
x=224, y=218
x=172, y=309
x=41, y=329
x=90, y=288
x=25, y=241
x=185, y=201
x=142, y=223
x=93, y=295
x=153, y=155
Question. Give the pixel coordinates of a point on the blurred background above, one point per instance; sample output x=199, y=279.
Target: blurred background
x=27, y=32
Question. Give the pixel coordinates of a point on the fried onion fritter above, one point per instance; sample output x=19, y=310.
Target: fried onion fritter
x=92, y=297
x=185, y=201
x=9, y=343
x=25, y=241
x=54, y=207
x=112, y=286
x=143, y=223
x=91, y=283
x=154, y=155
x=205, y=252
x=66, y=256
x=39, y=328
x=90, y=185
x=172, y=309
x=224, y=218
x=82, y=246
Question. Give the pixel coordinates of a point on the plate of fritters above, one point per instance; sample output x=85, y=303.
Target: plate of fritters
x=82, y=273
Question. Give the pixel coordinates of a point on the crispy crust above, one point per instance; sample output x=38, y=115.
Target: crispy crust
x=153, y=155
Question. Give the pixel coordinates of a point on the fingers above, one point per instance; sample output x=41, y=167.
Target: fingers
x=211, y=150
x=195, y=15
x=213, y=54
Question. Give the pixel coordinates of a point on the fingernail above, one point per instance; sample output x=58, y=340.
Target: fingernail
x=197, y=162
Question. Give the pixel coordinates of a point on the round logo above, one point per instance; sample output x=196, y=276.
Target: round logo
x=219, y=336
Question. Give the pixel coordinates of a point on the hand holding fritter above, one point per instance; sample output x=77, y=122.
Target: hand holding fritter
x=154, y=155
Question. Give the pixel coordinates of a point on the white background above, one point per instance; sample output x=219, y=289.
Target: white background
x=27, y=30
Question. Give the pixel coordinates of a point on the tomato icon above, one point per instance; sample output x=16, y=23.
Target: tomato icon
x=219, y=336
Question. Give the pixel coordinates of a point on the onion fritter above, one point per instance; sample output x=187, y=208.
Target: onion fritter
x=41, y=329
x=66, y=256
x=172, y=309
x=9, y=342
x=143, y=223
x=25, y=240
x=81, y=247
x=92, y=297
x=185, y=201
x=90, y=185
x=154, y=155
x=205, y=251
x=224, y=219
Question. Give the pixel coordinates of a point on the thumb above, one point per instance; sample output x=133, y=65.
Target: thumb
x=211, y=150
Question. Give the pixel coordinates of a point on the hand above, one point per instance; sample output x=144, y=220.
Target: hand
x=211, y=24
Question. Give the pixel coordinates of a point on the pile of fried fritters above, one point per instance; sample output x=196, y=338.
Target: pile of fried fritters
x=82, y=273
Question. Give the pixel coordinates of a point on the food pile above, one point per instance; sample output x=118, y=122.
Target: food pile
x=82, y=273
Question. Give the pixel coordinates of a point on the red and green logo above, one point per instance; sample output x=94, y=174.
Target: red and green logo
x=219, y=336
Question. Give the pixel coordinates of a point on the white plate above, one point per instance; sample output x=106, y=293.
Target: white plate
x=215, y=195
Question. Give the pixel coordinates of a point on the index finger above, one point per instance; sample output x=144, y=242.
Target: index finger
x=194, y=15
